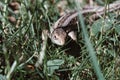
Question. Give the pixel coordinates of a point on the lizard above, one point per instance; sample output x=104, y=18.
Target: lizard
x=61, y=31
x=67, y=24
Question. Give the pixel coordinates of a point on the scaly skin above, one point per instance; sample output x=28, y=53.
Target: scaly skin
x=67, y=24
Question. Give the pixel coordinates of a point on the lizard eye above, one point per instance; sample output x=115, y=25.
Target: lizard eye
x=55, y=37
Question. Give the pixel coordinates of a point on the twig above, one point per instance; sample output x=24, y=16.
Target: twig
x=43, y=48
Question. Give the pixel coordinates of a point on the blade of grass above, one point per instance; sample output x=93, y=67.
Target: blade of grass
x=9, y=74
x=89, y=45
x=43, y=49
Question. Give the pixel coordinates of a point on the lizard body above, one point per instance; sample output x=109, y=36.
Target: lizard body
x=67, y=24
x=61, y=29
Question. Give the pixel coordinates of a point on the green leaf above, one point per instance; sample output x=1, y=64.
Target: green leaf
x=102, y=25
x=96, y=27
x=52, y=65
x=2, y=77
x=117, y=29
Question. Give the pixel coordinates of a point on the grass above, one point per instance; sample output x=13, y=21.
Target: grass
x=21, y=44
x=90, y=46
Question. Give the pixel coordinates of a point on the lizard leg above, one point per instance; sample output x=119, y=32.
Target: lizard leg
x=72, y=35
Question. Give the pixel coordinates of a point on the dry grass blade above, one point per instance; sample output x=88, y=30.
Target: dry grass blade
x=43, y=48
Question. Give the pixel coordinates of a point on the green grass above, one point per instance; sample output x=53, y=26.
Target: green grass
x=21, y=45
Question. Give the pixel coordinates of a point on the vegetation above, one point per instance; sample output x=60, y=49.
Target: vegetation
x=21, y=25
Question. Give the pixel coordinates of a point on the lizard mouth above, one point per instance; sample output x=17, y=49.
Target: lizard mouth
x=60, y=43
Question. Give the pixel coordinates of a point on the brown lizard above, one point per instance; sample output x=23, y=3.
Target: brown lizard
x=67, y=24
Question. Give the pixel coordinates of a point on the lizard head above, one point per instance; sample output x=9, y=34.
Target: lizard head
x=58, y=36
